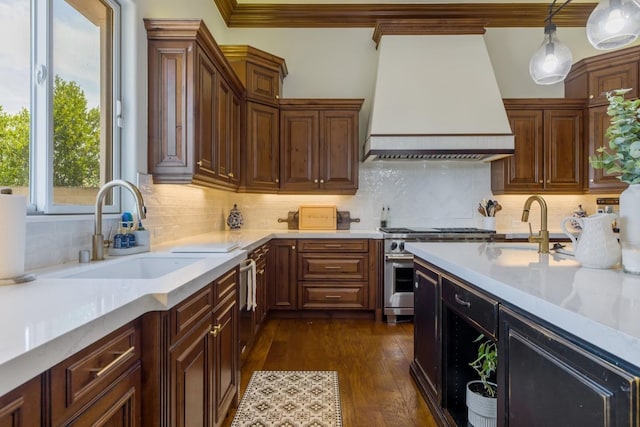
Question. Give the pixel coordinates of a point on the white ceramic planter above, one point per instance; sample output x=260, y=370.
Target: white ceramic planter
x=481, y=411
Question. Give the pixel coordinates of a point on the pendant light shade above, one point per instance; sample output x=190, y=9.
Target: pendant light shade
x=552, y=61
x=614, y=23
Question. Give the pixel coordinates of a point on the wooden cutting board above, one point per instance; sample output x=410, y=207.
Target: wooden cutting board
x=317, y=217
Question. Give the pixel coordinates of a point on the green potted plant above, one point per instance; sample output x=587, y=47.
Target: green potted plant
x=481, y=394
x=622, y=156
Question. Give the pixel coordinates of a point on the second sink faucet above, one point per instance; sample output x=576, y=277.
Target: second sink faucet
x=542, y=238
x=97, y=242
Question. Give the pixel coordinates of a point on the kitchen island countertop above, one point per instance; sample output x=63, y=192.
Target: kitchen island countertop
x=601, y=307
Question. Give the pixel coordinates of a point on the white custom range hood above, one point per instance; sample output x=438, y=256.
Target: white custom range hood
x=436, y=96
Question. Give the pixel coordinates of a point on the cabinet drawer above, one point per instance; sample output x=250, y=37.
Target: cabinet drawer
x=189, y=312
x=79, y=379
x=330, y=296
x=333, y=245
x=476, y=308
x=225, y=286
x=340, y=267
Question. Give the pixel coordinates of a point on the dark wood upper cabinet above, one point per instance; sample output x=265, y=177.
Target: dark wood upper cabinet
x=195, y=102
x=319, y=145
x=262, y=74
x=548, y=148
x=591, y=78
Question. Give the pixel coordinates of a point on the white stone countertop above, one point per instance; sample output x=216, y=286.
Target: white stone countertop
x=602, y=307
x=51, y=318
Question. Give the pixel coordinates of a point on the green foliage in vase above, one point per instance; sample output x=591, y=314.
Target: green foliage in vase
x=486, y=362
x=623, y=154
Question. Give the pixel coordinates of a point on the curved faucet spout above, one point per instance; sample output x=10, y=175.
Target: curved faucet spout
x=97, y=252
x=542, y=238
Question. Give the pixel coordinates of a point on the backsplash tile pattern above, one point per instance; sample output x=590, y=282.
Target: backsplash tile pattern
x=420, y=194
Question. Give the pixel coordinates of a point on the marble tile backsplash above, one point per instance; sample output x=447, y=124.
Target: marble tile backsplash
x=419, y=194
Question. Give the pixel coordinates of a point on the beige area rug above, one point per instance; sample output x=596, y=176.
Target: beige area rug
x=290, y=399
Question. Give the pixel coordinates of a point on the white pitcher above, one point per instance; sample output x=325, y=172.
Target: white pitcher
x=597, y=245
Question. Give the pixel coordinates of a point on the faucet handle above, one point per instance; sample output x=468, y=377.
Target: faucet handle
x=530, y=230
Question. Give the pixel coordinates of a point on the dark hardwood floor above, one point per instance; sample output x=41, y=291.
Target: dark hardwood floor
x=372, y=360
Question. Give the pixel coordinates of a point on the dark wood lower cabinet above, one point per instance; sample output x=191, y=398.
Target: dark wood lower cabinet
x=548, y=380
x=426, y=349
x=119, y=406
x=545, y=377
x=190, y=376
x=283, y=292
x=22, y=407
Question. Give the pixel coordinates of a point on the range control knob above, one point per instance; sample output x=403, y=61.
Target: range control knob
x=394, y=246
x=402, y=246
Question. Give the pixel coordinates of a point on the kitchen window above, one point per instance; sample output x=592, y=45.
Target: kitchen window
x=59, y=108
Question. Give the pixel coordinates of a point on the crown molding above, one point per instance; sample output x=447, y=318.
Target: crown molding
x=258, y=15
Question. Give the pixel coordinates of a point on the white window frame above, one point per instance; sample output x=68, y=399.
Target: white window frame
x=41, y=100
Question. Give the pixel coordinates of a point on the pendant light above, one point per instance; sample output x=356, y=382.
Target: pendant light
x=552, y=61
x=614, y=23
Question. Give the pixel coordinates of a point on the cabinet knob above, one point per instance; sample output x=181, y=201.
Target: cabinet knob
x=548, y=181
x=199, y=163
x=293, y=248
x=591, y=180
x=215, y=330
x=315, y=181
x=540, y=182
x=230, y=174
x=416, y=284
x=322, y=181
x=277, y=180
x=591, y=96
x=277, y=96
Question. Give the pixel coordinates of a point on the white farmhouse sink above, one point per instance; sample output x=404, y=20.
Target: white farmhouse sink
x=148, y=267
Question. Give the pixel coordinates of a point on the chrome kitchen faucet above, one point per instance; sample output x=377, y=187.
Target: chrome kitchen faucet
x=97, y=242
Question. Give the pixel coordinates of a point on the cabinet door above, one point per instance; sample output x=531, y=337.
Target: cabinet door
x=225, y=359
x=22, y=406
x=190, y=378
x=206, y=111
x=170, y=153
x=224, y=131
x=599, y=181
x=263, y=83
x=283, y=280
x=263, y=147
x=338, y=151
x=610, y=78
x=523, y=171
x=563, y=150
x=426, y=327
x=546, y=380
x=299, y=150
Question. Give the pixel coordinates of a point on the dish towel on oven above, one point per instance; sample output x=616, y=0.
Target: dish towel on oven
x=251, y=286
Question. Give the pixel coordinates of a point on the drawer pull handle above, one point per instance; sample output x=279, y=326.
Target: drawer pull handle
x=115, y=361
x=215, y=330
x=332, y=245
x=261, y=271
x=333, y=296
x=332, y=267
x=461, y=301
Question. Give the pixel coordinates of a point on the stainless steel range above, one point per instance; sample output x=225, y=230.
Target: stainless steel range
x=398, y=263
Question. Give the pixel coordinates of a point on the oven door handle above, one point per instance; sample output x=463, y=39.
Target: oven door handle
x=401, y=257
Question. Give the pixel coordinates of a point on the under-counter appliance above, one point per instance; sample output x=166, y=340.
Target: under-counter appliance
x=398, y=262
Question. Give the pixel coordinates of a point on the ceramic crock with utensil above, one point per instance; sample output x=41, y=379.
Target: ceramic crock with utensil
x=597, y=245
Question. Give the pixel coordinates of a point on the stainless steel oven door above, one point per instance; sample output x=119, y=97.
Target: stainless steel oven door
x=398, y=286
